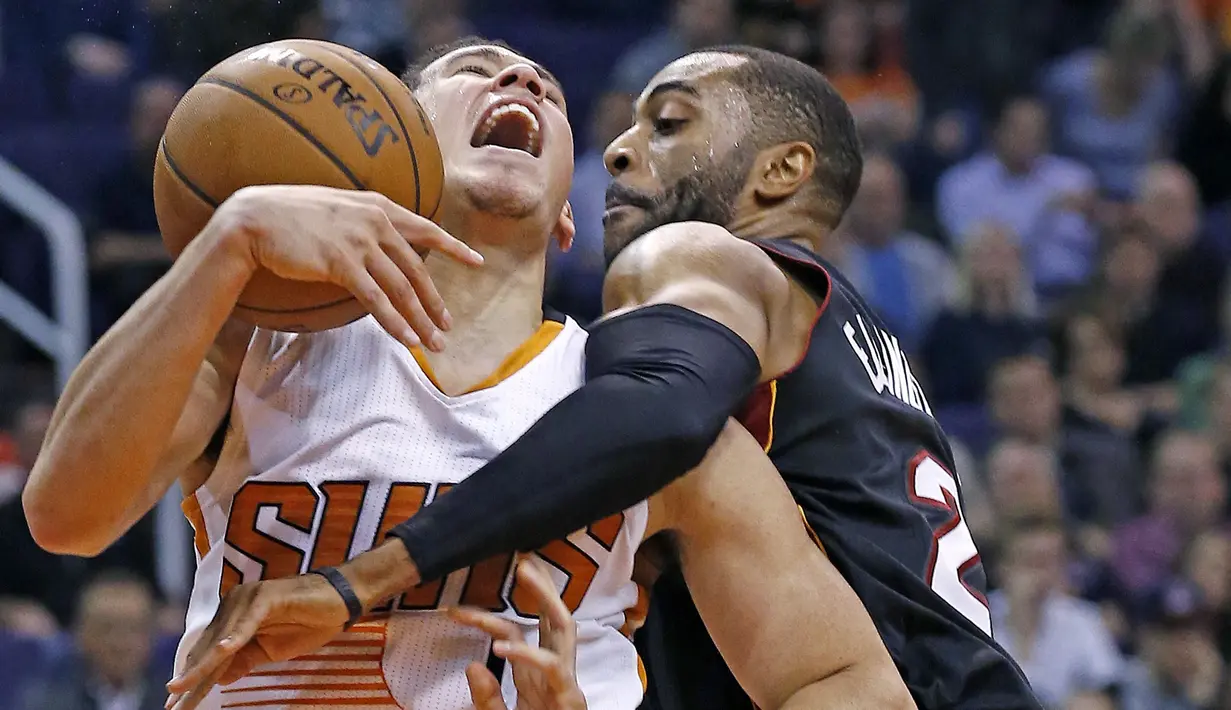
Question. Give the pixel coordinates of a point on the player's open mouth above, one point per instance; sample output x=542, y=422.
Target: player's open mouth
x=510, y=125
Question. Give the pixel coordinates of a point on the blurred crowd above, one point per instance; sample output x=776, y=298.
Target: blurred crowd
x=1044, y=221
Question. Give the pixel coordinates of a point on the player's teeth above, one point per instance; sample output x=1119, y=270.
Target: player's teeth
x=533, y=130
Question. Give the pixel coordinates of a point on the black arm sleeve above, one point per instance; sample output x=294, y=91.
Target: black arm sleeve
x=661, y=383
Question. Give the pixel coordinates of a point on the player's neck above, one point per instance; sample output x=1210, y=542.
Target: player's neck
x=779, y=222
x=495, y=308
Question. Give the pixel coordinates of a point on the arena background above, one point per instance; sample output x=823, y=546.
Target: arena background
x=1044, y=221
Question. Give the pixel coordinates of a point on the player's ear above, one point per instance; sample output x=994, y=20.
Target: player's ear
x=783, y=169
x=566, y=228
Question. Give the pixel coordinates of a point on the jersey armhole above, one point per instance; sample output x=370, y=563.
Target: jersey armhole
x=213, y=450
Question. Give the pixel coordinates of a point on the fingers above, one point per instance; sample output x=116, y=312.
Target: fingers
x=356, y=279
x=423, y=234
x=191, y=699
x=244, y=662
x=402, y=297
x=230, y=631
x=555, y=669
x=498, y=627
x=412, y=266
x=484, y=688
x=557, y=630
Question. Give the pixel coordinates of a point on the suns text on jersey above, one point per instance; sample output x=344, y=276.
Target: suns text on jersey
x=885, y=363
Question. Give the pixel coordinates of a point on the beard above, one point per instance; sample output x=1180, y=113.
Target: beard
x=705, y=195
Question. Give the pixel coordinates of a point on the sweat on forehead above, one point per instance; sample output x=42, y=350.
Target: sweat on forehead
x=698, y=65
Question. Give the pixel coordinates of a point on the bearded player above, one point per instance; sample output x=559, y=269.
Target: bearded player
x=740, y=164
x=333, y=437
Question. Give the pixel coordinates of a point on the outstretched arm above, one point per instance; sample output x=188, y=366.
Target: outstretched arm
x=686, y=340
x=144, y=402
x=788, y=625
x=142, y=406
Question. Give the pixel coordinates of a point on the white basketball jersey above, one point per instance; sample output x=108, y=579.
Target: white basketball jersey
x=337, y=436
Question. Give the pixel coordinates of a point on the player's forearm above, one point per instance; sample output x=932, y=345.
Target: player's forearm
x=663, y=383
x=119, y=409
x=380, y=574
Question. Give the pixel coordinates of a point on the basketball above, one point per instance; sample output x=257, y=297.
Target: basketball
x=293, y=112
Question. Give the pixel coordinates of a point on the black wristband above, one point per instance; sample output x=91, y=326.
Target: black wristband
x=338, y=581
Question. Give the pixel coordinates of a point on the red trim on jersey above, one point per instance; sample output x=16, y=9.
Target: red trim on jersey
x=949, y=506
x=758, y=412
x=820, y=311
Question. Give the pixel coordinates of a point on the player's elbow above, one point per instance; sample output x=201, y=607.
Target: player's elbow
x=877, y=685
x=889, y=692
x=688, y=435
x=696, y=431
x=869, y=685
x=54, y=527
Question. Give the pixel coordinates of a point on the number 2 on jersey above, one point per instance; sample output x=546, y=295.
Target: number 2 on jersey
x=953, y=548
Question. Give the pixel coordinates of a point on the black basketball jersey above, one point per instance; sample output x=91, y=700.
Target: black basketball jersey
x=852, y=434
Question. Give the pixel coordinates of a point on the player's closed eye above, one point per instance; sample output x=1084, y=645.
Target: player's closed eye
x=668, y=126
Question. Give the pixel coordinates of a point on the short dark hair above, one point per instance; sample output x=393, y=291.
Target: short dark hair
x=1000, y=107
x=792, y=101
x=413, y=76
x=113, y=577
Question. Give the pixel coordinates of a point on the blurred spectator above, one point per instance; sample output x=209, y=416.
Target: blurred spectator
x=907, y=278
x=964, y=54
x=1184, y=317
x=1217, y=14
x=1094, y=368
x=1097, y=465
x=1113, y=107
x=1195, y=379
x=1060, y=642
x=576, y=278
x=27, y=618
x=694, y=24
x=111, y=667
x=108, y=39
x=1218, y=420
x=1023, y=482
x=1101, y=422
x=1194, y=40
x=374, y=27
x=967, y=55
x=1179, y=666
x=1207, y=564
x=977, y=508
x=127, y=253
x=780, y=25
x=31, y=426
x=198, y=35
x=431, y=23
x=1123, y=292
x=1187, y=495
x=993, y=317
x=1206, y=137
x=1041, y=197
x=30, y=573
x=879, y=91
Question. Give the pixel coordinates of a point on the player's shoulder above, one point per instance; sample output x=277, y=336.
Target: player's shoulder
x=688, y=252
x=700, y=243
